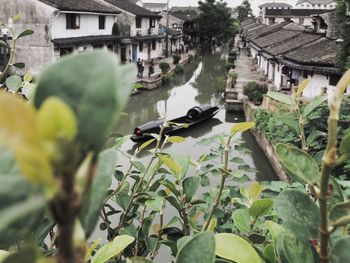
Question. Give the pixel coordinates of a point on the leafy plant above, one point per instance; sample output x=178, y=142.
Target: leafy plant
x=179, y=69
x=255, y=92
x=229, y=66
x=176, y=59
x=164, y=66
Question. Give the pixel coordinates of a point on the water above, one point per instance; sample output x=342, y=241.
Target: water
x=195, y=87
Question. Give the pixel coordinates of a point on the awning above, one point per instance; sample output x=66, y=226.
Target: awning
x=62, y=42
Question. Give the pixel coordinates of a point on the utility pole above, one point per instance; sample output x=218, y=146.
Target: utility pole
x=166, y=30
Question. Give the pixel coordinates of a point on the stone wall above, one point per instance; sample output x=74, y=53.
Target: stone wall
x=265, y=145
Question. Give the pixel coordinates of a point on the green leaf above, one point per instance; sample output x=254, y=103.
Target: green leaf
x=145, y=144
x=299, y=163
x=139, y=166
x=340, y=252
x=280, y=97
x=316, y=102
x=4, y=44
x=295, y=251
x=260, y=207
x=176, y=139
x=235, y=248
x=27, y=255
x=19, y=65
x=300, y=215
x=201, y=248
x=14, y=82
x=95, y=198
x=169, y=185
x=180, y=242
x=155, y=204
x=242, y=127
x=241, y=219
x=172, y=165
x=95, y=87
x=339, y=210
x=138, y=260
x=254, y=191
x=25, y=33
x=20, y=210
x=290, y=122
x=275, y=229
x=345, y=144
x=112, y=249
x=337, y=195
x=269, y=253
x=302, y=87
x=190, y=186
x=3, y=254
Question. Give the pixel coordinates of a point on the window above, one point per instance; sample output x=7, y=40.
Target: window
x=325, y=6
x=140, y=46
x=333, y=79
x=301, y=21
x=65, y=51
x=319, y=5
x=72, y=21
x=99, y=46
x=308, y=5
x=101, y=22
x=313, y=5
x=138, y=22
x=110, y=47
x=154, y=44
x=152, y=22
x=330, y=6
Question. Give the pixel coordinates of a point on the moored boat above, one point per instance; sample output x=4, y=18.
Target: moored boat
x=194, y=116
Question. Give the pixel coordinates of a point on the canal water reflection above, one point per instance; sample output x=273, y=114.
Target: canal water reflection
x=194, y=87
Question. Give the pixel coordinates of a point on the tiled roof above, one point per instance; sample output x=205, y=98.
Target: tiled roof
x=183, y=16
x=132, y=8
x=273, y=4
x=293, y=12
x=85, y=40
x=291, y=44
x=92, y=6
x=276, y=37
x=320, y=52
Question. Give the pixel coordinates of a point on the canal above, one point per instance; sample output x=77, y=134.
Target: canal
x=196, y=86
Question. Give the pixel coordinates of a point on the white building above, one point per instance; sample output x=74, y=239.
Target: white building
x=273, y=5
x=60, y=27
x=315, y=4
x=143, y=39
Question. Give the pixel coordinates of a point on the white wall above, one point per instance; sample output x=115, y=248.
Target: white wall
x=278, y=75
x=316, y=85
x=88, y=26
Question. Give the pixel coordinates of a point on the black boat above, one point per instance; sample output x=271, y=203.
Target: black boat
x=193, y=117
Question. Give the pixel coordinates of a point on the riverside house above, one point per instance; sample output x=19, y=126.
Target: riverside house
x=139, y=29
x=60, y=27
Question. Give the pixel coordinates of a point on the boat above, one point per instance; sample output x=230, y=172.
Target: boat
x=194, y=116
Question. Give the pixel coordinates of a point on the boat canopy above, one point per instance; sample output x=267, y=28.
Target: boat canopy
x=198, y=110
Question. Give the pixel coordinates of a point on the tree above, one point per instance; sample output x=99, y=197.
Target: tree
x=244, y=10
x=214, y=22
x=343, y=28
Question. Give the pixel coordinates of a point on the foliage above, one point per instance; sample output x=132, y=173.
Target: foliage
x=176, y=59
x=229, y=66
x=244, y=11
x=179, y=69
x=234, y=76
x=166, y=78
x=231, y=59
x=255, y=91
x=232, y=54
x=219, y=84
x=214, y=22
x=164, y=66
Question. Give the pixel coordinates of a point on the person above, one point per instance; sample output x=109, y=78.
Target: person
x=138, y=63
x=151, y=68
x=142, y=68
x=182, y=49
x=186, y=48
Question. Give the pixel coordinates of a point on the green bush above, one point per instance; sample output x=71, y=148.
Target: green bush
x=231, y=59
x=232, y=53
x=166, y=78
x=234, y=76
x=255, y=91
x=176, y=59
x=164, y=66
x=219, y=84
x=179, y=69
x=229, y=65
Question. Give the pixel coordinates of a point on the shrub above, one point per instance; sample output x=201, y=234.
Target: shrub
x=179, y=69
x=232, y=54
x=234, y=76
x=164, y=66
x=166, y=78
x=219, y=84
x=231, y=59
x=255, y=91
x=176, y=59
x=229, y=65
